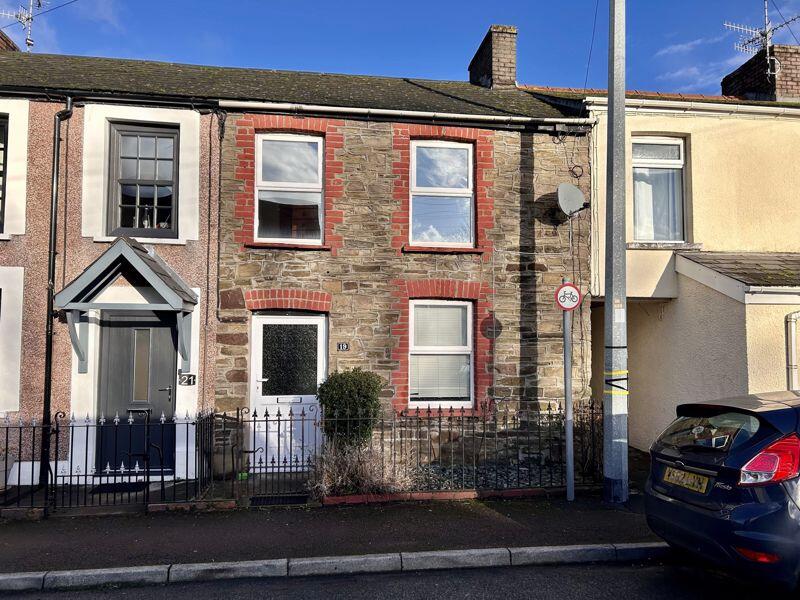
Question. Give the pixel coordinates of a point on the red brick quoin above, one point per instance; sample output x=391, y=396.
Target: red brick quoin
x=442, y=289
x=247, y=126
x=483, y=155
x=287, y=299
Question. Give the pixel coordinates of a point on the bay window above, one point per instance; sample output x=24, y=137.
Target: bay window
x=289, y=203
x=658, y=165
x=440, y=357
x=442, y=199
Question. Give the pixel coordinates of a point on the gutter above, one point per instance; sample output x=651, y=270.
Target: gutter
x=387, y=112
x=44, y=460
x=792, y=379
x=648, y=105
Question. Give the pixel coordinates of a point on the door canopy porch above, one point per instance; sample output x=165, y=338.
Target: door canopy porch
x=161, y=289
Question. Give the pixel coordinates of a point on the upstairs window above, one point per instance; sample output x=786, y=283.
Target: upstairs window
x=143, y=181
x=289, y=205
x=658, y=165
x=440, y=362
x=3, y=163
x=442, y=199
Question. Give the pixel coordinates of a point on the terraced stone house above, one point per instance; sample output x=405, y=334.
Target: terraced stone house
x=226, y=238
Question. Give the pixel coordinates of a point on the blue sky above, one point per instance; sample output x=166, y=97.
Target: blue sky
x=678, y=45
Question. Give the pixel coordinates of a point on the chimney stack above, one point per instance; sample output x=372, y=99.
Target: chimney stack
x=7, y=44
x=751, y=82
x=495, y=63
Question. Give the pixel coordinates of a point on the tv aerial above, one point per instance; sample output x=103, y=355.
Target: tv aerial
x=571, y=199
x=753, y=40
x=24, y=17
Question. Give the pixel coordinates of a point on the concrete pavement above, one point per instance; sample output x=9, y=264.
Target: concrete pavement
x=170, y=538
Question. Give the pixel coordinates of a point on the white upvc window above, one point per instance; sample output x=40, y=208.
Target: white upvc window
x=440, y=354
x=658, y=189
x=289, y=205
x=442, y=210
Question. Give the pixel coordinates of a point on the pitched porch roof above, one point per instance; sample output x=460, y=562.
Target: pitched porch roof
x=126, y=253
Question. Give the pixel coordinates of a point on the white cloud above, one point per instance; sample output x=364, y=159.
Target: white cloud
x=703, y=77
x=105, y=12
x=685, y=47
x=431, y=234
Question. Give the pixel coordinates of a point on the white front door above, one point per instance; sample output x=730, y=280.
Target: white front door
x=289, y=361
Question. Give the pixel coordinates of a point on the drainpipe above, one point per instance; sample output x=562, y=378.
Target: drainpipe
x=44, y=459
x=792, y=379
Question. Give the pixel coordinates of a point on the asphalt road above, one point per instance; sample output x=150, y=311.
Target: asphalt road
x=670, y=581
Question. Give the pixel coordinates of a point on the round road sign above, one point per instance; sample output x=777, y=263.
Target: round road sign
x=568, y=296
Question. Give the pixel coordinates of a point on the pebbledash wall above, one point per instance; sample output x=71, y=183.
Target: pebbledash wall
x=193, y=258
x=365, y=273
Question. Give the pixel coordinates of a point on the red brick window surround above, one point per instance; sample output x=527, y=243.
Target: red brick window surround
x=483, y=162
x=441, y=289
x=247, y=127
x=268, y=299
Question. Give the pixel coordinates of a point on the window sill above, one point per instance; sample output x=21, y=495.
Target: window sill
x=288, y=246
x=409, y=248
x=5, y=237
x=663, y=246
x=142, y=240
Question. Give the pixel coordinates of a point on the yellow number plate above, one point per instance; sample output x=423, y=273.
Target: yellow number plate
x=690, y=481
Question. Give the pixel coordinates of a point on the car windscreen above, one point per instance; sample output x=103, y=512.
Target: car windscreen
x=723, y=431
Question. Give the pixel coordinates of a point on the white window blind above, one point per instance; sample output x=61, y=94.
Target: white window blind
x=440, y=362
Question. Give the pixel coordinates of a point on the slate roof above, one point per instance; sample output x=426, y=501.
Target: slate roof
x=111, y=76
x=780, y=269
x=163, y=271
x=572, y=98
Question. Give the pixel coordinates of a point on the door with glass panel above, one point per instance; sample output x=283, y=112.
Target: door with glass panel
x=289, y=361
x=138, y=367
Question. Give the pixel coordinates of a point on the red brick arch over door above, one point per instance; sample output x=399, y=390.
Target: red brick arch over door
x=286, y=299
x=443, y=289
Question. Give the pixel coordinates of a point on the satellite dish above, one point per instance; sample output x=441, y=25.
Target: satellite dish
x=570, y=199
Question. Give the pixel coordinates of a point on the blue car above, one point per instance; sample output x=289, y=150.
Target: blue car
x=724, y=484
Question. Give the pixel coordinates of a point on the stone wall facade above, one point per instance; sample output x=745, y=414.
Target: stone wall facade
x=365, y=273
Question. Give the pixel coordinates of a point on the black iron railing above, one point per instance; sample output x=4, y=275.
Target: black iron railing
x=133, y=460
x=290, y=455
x=302, y=452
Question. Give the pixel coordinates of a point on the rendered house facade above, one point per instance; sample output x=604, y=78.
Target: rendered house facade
x=713, y=258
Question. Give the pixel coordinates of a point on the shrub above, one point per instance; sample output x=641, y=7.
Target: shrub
x=350, y=402
x=341, y=470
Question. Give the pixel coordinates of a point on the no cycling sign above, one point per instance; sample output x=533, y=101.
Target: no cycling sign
x=568, y=297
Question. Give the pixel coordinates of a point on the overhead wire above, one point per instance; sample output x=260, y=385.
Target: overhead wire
x=785, y=22
x=43, y=12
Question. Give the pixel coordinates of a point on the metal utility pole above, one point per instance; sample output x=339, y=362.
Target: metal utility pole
x=615, y=392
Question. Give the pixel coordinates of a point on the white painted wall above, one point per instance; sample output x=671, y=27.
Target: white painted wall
x=17, y=167
x=12, y=286
x=96, y=137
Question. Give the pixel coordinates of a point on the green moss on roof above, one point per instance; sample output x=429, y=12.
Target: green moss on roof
x=112, y=76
